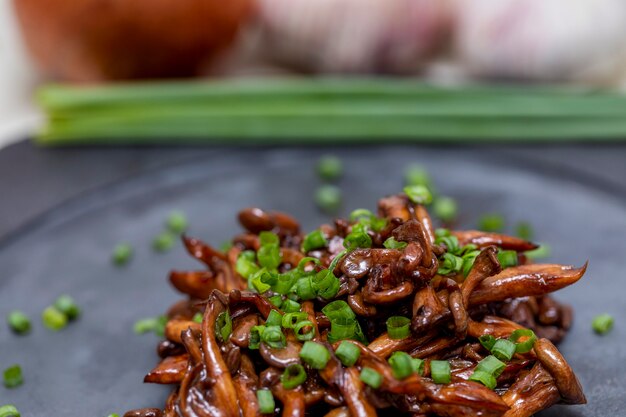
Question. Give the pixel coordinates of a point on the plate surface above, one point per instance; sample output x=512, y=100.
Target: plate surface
x=95, y=366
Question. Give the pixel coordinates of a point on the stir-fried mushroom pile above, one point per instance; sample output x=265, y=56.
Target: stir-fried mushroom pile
x=372, y=315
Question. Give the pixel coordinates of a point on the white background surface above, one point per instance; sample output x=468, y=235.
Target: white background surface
x=18, y=114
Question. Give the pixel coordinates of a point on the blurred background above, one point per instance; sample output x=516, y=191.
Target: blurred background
x=572, y=48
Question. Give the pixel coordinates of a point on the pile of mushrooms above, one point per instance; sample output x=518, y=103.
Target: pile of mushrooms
x=450, y=313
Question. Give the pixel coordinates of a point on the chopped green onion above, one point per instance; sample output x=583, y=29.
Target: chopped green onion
x=276, y=300
x=371, y=377
x=361, y=214
x=274, y=318
x=602, y=324
x=368, y=220
x=338, y=309
x=266, y=401
x=315, y=355
x=268, y=254
x=487, y=341
x=524, y=230
x=445, y=208
x=293, y=376
x=440, y=372
x=326, y=284
x=54, y=319
x=336, y=260
x=197, y=318
x=491, y=365
x=401, y=364
x=302, y=325
x=290, y=306
x=541, y=252
x=419, y=194
x=262, y=280
x=468, y=261
x=256, y=332
x=348, y=353
x=304, y=288
x=503, y=349
x=450, y=264
x=245, y=265
x=163, y=242
x=289, y=320
x=284, y=282
x=418, y=366
x=13, y=376
x=122, y=253
x=274, y=337
x=398, y=327
x=314, y=240
x=226, y=246
x=67, y=306
x=356, y=240
x=19, y=322
x=305, y=261
x=491, y=223
x=329, y=168
x=525, y=346
x=224, y=325
x=177, y=222
x=450, y=241
x=342, y=328
x=484, y=378
x=507, y=258
x=9, y=411
x=417, y=175
x=392, y=243
x=159, y=328
x=328, y=198
x=145, y=325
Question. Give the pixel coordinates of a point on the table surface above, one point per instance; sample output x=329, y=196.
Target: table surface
x=62, y=211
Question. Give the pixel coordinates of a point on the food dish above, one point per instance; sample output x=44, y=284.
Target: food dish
x=468, y=294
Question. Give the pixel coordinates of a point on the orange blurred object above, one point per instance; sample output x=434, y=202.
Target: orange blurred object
x=96, y=40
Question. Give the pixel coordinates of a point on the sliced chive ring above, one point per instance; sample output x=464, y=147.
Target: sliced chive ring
x=348, y=353
x=224, y=326
x=314, y=354
x=440, y=372
x=293, y=376
x=398, y=327
x=266, y=401
x=371, y=377
x=401, y=365
x=304, y=325
x=503, y=349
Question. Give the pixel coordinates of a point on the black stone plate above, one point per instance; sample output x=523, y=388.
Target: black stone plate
x=95, y=366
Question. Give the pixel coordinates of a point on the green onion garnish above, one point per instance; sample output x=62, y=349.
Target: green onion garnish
x=315, y=355
x=13, y=376
x=357, y=239
x=507, y=258
x=163, y=242
x=392, y=243
x=122, y=253
x=284, y=282
x=197, y=318
x=177, y=222
x=274, y=337
x=304, y=288
x=487, y=341
x=268, y=254
x=484, y=378
x=450, y=264
x=226, y=245
x=314, y=240
x=342, y=328
x=224, y=325
x=276, y=300
x=67, y=306
x=145, y=325
x=159, y=328
x=417, y=175
x=246, y=265
x=445, y=208
x=256, y=332
x=9, y=410
x=293, y=376
x=290, y=306
x=418, y=366
x=336, y=259
x=526, y=345
x=401, y=364
x=398, y=327
x=266, y=401
x=524, y=230
x=274, y=318
x=328, y=198
x=491, y=365
x=419, y=194
x=326, y=284
x=54, y=319
x=348, y=353
x=329, y=168
x=19, y=322
x=491, y=223
x=289, y=320
x=602, y=324
x=262, y=280
x=371, y=377
x=541, y=252
x=440, y=372
x=338, y=309
x=503, y=349
x=303, y=325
